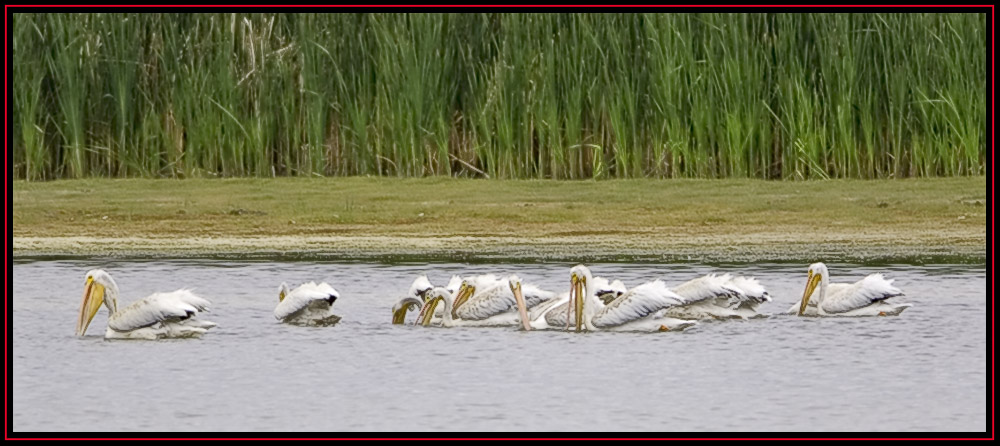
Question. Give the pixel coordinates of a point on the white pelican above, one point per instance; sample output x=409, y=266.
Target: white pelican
x=638, y=309
x=309, y=304
x=489, y=299
x=866, y=297
x=551, y=314
x=402, y=306
x=160, y=315
x=720, y=297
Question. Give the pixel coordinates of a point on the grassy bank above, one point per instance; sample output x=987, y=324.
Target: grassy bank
x=705, y=95
x=713, y=220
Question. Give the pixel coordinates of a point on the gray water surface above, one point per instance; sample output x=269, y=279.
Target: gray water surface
x=922, y=371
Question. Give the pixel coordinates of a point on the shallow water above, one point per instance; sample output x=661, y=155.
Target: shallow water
x=922, y=371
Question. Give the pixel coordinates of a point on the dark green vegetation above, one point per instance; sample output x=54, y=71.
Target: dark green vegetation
x=724, y=220
x=706, y=95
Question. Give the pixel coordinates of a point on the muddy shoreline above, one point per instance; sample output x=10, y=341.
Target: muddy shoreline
x=473, y=249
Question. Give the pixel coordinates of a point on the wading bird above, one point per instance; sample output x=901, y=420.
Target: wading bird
x=309, y=304
x=866, y=297
x=160, y=315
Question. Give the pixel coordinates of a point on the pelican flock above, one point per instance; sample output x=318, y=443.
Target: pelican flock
x=596, y=303
x=592, y=303
x=483, y=300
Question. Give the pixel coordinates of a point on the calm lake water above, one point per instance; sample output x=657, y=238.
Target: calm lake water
x=922, y=371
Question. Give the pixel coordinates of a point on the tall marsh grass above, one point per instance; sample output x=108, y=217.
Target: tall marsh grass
x=707, y=95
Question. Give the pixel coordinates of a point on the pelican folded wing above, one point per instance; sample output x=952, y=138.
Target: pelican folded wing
x=157, y=308
x=637, y=303
x=865, y=292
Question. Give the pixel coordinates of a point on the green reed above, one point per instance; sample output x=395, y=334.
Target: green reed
x=769, y=95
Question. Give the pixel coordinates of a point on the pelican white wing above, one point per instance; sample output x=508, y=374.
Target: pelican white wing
x=706, y=297
x=561, y=311
x=309, y=303
x=534, y=296
x=866, y=292
x=158, y=308
x=487, y=303
x=708, y=287
x=438, y=295
x=489, y=300
x=751, y=295
x=539, y=315
x=720, y=296
x=637, y=303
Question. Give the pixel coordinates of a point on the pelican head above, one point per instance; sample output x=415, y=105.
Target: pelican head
x=436, y=296
x=606, y=291
x=420, y=287
x=282, y=291
x=818, y=275
x=465, y=291
x=405, y=304
x=580, y=280
x=515, y=283
x=95, y=286
x=618, y=287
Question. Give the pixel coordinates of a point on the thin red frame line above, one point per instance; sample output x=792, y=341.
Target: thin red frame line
x=512, y=6
x=6, y=243
x=489, y=438
x=992, y=161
